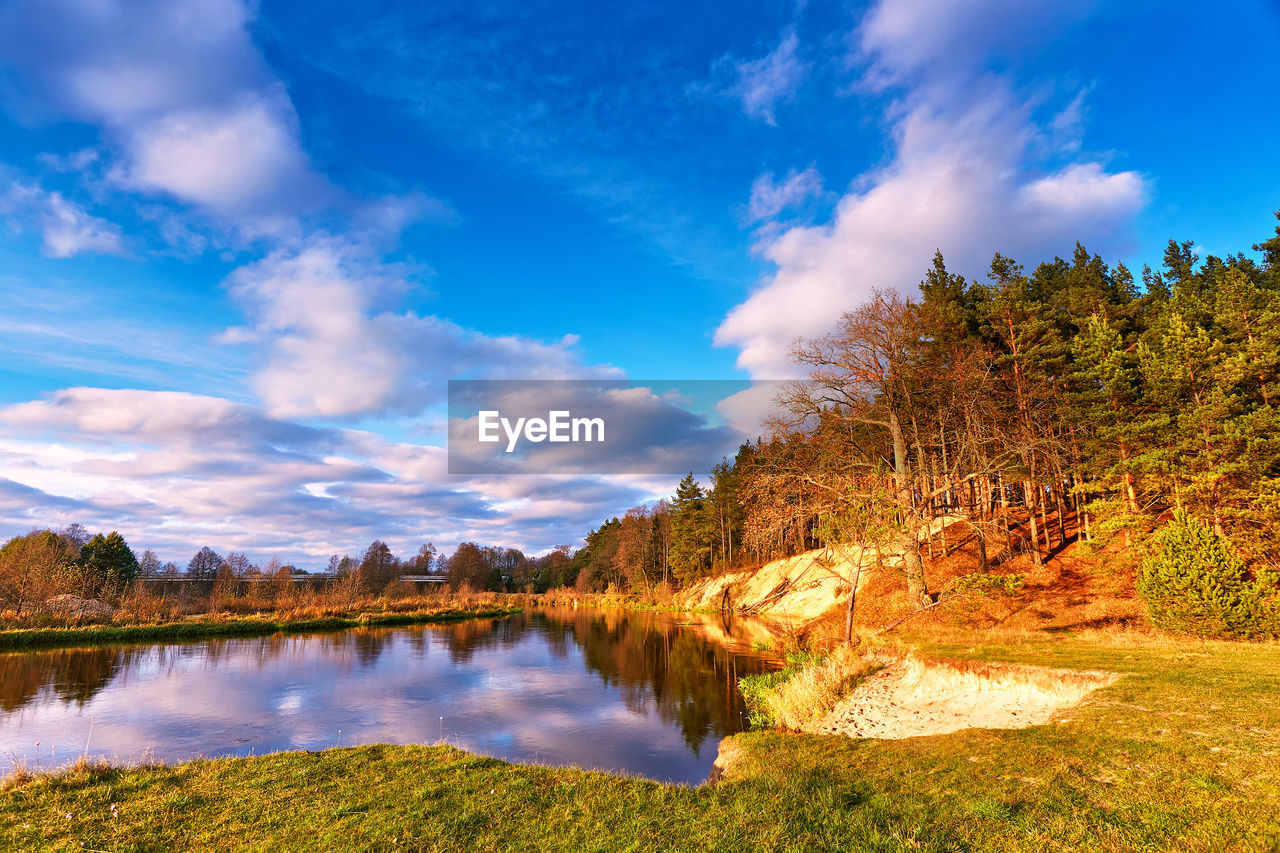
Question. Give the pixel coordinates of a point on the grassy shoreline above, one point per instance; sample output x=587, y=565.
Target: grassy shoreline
x=207, y=628
x=1178, y=754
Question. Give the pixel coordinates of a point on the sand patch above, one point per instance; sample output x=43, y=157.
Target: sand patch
x=912, y=697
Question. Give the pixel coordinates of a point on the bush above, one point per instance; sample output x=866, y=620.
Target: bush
x=1199, y=585
x=985, y=584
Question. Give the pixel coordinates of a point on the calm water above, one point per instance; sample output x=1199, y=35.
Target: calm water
x=643, y=693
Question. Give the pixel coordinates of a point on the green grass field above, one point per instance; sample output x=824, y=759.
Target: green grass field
x=1181, y=754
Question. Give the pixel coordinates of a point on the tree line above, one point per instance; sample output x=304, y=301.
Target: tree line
x=1070, y=402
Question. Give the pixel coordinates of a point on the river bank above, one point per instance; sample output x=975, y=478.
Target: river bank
x=209, y=626
x=1178, y=754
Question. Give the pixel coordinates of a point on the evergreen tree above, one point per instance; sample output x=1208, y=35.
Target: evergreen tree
x=1199, y=585
x=691, y=556
x=108, y=564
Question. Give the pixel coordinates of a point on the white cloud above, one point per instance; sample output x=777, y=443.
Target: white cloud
x=185, y=98
x=329, y=350
x=962, y=179
x=760, y=84
x=769, y=197
x=236, y=159
x=66, y=228
x=941, y=42
x=1066, y=129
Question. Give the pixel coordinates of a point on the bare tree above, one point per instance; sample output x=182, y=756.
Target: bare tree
x=865, y=372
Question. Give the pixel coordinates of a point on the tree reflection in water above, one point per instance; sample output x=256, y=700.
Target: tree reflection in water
x=650, y=664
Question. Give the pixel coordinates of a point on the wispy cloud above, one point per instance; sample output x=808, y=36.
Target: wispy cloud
x=769, y=197
x=760, y=85
x=65, y=228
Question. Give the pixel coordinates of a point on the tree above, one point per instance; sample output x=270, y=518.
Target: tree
x=423, y=563
x=594, y=565
x=36, y=567
x=1198, y=584
x=378, y=568
x=468, y=566
x=75, y=533
x=149, y=565
x=864, y=373
x=691, y=532
x=108, y=564
x=724, y=508
x=634, y=558
x=204, y=565
x=240, y=566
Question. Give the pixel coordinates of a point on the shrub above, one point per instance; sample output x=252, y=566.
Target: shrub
x=983, y=583
x=1199, y=585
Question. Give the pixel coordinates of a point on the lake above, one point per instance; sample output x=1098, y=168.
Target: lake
x=636, y=692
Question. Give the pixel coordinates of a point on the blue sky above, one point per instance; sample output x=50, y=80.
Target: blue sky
x=246, y=244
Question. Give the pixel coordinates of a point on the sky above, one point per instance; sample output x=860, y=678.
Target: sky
x=245, y=245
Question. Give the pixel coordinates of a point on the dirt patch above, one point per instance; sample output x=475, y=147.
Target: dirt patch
x=729, y=754
x=911, y=697
x=75, y=607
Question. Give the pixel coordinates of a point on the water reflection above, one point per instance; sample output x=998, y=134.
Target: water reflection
x=646, y=693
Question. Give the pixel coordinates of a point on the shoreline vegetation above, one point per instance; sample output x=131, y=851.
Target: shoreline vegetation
x=218, y=625
x=1177, y=754
x=319, y=613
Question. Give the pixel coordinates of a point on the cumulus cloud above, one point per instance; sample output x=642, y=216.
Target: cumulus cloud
x=66, y=228
x=761, y=84
x=963, y=178
x=329, y=350
x=239, y=158
x=186, y=100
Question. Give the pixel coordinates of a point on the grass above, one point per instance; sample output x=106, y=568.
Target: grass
x=216, y=626
x=804, y=690
x=1181, y=754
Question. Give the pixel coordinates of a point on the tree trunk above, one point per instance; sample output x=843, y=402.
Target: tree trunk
x=848, y=614
x=917, y=589
x=1060, y=501
x=1029, y=500
x=1044, y=520
x=980, y=537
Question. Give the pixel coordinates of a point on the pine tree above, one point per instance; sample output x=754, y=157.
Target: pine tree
x=108, y=564
x=1199, y=585
x=690, y=532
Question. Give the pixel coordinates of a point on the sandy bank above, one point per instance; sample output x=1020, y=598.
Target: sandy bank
x=912, y=698
x=797, y=589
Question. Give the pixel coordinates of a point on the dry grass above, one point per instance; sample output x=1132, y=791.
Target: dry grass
x=18, y=776
x=794, y=697
x=141, y=606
